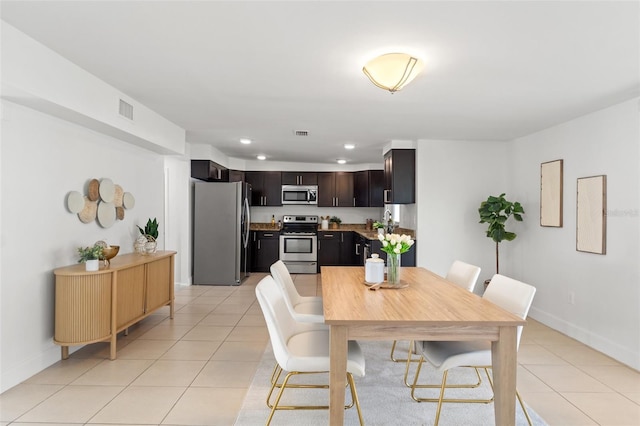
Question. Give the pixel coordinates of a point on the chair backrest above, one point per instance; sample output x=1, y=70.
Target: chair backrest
x=280, y=324
x=511, y=295
x=282, y=277
x=463, y=274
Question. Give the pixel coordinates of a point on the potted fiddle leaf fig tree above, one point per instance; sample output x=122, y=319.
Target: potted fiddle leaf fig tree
x=496, y=211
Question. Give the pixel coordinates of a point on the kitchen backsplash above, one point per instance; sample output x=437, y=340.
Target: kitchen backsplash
x=346, y=214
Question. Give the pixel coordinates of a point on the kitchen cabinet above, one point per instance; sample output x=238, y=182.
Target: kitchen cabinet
x=399, y=176
x=95, y=306
x=209, y=171
x=336, y=248
x=299, y=178
x=266, y=188
x=406, y=259
x=329, y=248
x=335, y=189
x=265, y=250
x=236, y=176
x=368, y=188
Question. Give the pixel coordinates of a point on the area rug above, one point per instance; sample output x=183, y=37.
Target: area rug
x=383, y=397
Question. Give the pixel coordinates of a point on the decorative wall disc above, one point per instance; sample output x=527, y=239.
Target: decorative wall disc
x=106, y=214
x=75, y=202
x=88, y=212
x=107, y=190
x=94, y=190
x=128, y=201
x=117, y=196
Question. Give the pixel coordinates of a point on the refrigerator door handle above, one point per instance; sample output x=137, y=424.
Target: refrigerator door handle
x=247, y=222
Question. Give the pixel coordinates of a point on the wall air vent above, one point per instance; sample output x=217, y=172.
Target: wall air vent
x=126, y=110
x=301, y=132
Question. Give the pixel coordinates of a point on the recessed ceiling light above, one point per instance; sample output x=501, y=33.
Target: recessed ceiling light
x=261, y=157
x=349, y=146
x=245, y=141
x=342, y=161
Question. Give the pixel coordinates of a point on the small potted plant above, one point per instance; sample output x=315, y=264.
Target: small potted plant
x=379, y=226
x=90, y=256
x=335, y=222
x=150, y=233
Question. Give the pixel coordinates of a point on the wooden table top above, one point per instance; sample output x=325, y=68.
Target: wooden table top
x=428, y=300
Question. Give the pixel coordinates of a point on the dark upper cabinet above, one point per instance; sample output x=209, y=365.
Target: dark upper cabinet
x=299, y=178
x=266, y=188
x=236, y=176
x=399, y=176
x=209, y=171
x=368, y=188
x=335, y=189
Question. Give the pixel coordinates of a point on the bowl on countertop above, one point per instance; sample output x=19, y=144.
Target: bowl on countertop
x=109, y=253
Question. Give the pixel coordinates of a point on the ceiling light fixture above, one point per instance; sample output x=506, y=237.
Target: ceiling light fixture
x=349, y=146
x=245, y=141
x=261, y=157
x=342, y=161
x=392, y=71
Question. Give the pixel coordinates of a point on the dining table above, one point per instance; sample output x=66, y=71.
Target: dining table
x=426, y=307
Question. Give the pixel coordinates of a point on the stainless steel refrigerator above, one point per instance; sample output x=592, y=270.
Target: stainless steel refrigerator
x=221, y=221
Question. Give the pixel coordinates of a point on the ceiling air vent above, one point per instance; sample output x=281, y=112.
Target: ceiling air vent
x=301, y=132
x=126, y=110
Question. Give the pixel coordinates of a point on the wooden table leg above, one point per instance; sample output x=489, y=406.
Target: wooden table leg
x=64, y=352
x=505, y=364
x=338, y=374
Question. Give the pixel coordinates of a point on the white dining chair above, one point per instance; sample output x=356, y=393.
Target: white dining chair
x=460, y=273
x=513, y=296
x=303, y=308
x=301, y=348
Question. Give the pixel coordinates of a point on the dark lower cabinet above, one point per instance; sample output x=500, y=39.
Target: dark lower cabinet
x=336, y=248
x=328, y=248
x=407, y=259
x=265, y=250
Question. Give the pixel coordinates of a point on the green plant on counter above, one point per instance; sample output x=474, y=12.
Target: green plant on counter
x=151, y=228
x=89, y=253
x=378, y=225
x=335, y=219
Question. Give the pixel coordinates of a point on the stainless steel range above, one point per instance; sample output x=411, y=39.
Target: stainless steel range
x=299, y=244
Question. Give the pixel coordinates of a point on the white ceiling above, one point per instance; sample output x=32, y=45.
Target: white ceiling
x=261, y=70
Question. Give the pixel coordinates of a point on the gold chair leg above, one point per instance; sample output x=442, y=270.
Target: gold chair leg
x=393, y=349
x=354, y=397
x=526, y=413
x=285, y=384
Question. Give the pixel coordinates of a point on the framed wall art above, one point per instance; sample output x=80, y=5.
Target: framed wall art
x=591, y=218
x=551, y=184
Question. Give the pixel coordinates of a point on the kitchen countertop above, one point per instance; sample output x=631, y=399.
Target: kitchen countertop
x=360, y=228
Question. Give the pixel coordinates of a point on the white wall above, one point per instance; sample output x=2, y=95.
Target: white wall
x=452, y=179
x=177, y=172
x=606, y=313
x=43, y=158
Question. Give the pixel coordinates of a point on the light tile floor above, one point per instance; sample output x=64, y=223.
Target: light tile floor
x=196, y=368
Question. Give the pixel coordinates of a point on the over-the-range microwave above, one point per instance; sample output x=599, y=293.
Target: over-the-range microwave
x=299, y=194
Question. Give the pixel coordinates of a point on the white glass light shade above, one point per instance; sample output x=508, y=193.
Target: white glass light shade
x=393, y=71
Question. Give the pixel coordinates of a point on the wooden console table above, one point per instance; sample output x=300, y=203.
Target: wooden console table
x=95, y=306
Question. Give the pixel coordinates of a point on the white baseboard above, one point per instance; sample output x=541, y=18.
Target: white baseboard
x=29, y=367
x=600, y=343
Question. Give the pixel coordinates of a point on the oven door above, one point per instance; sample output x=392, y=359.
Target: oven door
x=299, y=248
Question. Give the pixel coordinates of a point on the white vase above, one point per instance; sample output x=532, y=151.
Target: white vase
x=325, y=224
x=92, y=265
x=380, y=231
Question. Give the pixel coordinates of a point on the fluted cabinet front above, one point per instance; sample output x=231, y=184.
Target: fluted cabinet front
x=83, y=309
